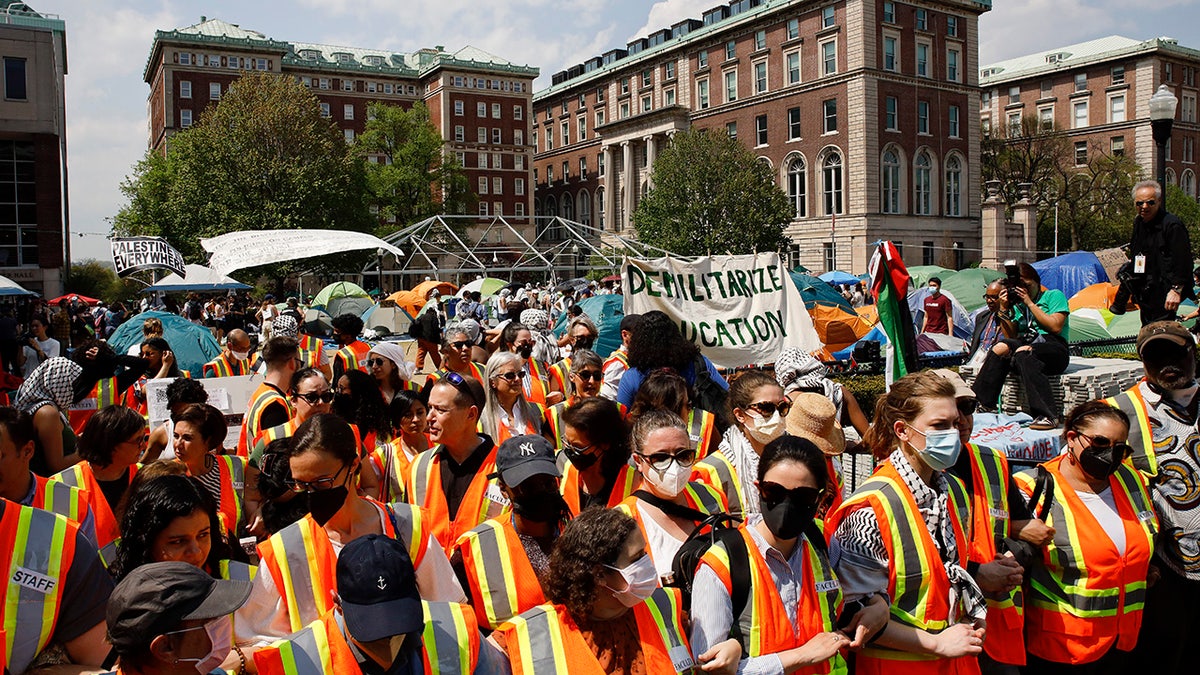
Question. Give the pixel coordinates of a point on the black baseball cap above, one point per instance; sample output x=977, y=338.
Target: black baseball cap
x=1171, y=331
x=521, y=457
x=155, y=598
x=377, y=586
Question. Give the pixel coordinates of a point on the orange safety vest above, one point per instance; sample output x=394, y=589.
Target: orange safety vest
x=482, y=501
x=266, y=436
x=39, y=548
x=546, y=641
x=102, y=395
x=476, y=372
x=395, y=468
x=552, y=419
x=764, y=621
x=835, y=477
x=535, y=386
x=1005, y=640
x=560, y=374
x=1085, y=597
x=699, y=496
x=265, y=395
x=302, y=563
x=717, y=472
x=58, y=497
x=1141, y=434
x=700, y=430
x=224, y=367
x=233, y=490
x=108, y=529
x=352, y=357
x=627, y=482
x=311, y=350
x=500, y=579
x=503, y=432
x=917, y=581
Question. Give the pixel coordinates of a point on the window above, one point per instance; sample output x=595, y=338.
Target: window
x=566, y=171
x=1189, y=150
x=1014, y=124
x=953, y=186
x=519, y=210
x=600, y=164
x=952, y=57
x=185, y=59
x=549, y=114
x=1080, y=81
x=624, y=85
x=519, y=186
x=1047, y=88
x=624, y=109
x=985, y=126
x=922, y=117
x=1116, y=108
x=730, y=86
x=702, y=93
x=1080, y=115
x=890, y=181
x=793, y=67
x=459, y=133
x=1188, y=183
x=922, y=19
x=702, y=60
x=830, y=116
x=565, y=133
x=600, y=95
x=829, y=255
x=481, y=136
x=564, y=106
x=214, y=91
x=495, y=111
x=647, y=103
x=797, y=184
x=1116, y=146
x=483, y=208
x=828, y=18
x=730, y=50
x=669, y=70
x=793, y=29
x=922, y=59
x=1046, y=118
x=519, y=162
x=952, y=121
x=1118, y=74
x=1187, y=107
x=889, y=53
x=760, y=77
x=481, y=109
x=348, y=111
x=760, y=39
x=18, y=221
x=325, y=110
x=599, y=118
x=518, y=137
x=889, y=12
x=324, y=83
x=985, y=99
x=549, y=173
x=669, y=96
x=458, y=108
x=518, y=112
x=497, y=185
x=731, y=129
x=647, y=78
x=760, y=130
x=923, y=185
x=483, y=185
x=829, y=57
x=927, y=254
x=1080, y=153
x=214, y=60
x=185, y=118
x=497, y=160
x=583, y=167
x=185, y=89
x=584, y=209
x=952, y=26
x=347, y=85
x=831, y=179
x=482, y=160
x=581, y=125
x=1014, y=94
x=793, y=124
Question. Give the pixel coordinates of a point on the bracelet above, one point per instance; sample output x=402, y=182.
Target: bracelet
x=242, y=656
x=875, y=638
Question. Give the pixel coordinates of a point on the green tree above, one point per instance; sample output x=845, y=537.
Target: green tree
x=263, y=158
x=415, y=177
x=711, y=195
x=1187, y=208
x=98, y=280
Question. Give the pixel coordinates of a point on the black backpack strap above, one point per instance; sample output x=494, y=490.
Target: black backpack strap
x=1043, y=488
x=739, y=575
x=671, y=508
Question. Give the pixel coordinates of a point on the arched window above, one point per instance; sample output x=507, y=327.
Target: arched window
x=1188, y=182
x=537, y=207
x=1171, y=177
x=923, y=184
x=600, y=206
x=953, y=186
x=797, y=185
x=584, y=207
x=567, y=209
x=551, y=206
x=831, y=182
x=890, y=181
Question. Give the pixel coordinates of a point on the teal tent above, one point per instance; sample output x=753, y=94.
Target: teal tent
x=192, y=345
x=606, y=311
x=814, y=291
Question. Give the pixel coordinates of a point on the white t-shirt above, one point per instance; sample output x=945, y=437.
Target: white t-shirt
x=50, y=347
x=663, y=545
x=1104, y=509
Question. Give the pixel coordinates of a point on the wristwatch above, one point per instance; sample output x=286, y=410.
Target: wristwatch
x=1178, y=289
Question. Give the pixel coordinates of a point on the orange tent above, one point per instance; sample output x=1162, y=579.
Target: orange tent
x=408, y=301
x=869, y=313
x=838, y=328
x=1096, y=296
x=444, y=287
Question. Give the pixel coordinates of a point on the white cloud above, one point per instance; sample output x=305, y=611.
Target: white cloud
x=667, y=12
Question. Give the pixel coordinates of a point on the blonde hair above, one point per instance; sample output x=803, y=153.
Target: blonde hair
x=152, y=327
x=490, y=415
x=904, y=402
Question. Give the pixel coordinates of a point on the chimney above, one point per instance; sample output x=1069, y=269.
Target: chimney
x=203, y=18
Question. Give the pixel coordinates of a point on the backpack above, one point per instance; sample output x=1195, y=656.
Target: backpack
x=710, y=396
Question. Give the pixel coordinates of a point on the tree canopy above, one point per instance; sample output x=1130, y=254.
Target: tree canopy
x=711, y=195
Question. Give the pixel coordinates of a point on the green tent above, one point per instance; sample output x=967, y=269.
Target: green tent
x=967, y=285
x=342, y=297
x=814, y=291
x=921, y=274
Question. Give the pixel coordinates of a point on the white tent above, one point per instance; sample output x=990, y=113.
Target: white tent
x=8, y=287
x=199, y=278
x=239, y=250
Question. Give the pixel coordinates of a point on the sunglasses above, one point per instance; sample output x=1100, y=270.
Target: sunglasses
x=589, y=375
x=772, y=494
x=1103, y=443
x=661, y=461
x=314, y=397
x=988, y=296
x=967, y=406
x=1145, y=202
x=768, y=408
x=575, y=449
x=313, y=486
x=378, y=363
x=461, y=344
x=513, y=376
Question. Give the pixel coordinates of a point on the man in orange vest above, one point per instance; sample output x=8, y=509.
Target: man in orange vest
x=19, y=484
x=618, y=362
x=504, y=559
x=352, y=352
x=269, y=406
x=168, y=615
x=233, y=360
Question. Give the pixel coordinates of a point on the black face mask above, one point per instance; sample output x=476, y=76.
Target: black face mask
x=541, y=507
x=1099, y=463
x=584, y=342
x=525, y=351
x=788, y=518
x=580, y=460
x=324, y=504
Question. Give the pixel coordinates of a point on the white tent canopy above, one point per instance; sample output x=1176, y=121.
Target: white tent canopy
x=199, y=278
x=239, y=250
x=8, y=287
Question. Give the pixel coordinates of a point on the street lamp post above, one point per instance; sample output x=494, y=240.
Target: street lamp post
x=575, y=261
x=379, y=267
x=1162, y=116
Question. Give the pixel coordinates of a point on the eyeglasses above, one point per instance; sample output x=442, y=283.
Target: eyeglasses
x=589, y=375
x=768, y=408
x=774, y=493
x=575, y=449
x=313, y=486
x=461, y=344
x=1103, y=443
x=989, y=296
x=378, y=363
x=967, y=406
x=314, y=397
x=1145, y=202
x=513, y=376
x=138, y=440
x=661, y=461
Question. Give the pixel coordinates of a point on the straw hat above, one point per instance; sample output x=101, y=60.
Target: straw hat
x=815, y=417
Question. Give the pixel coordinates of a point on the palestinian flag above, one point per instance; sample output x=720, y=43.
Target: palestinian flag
x=889, y=285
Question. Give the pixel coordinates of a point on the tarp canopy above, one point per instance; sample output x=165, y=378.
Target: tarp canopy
x=814, y=292
x=1071, y=272
x=488, y=286
x=606, y=311
x=839, y=277
x=71, y=297
x=199, y=279
x=1091, y=323
x=838, y=328
x=251, y=248
x=192, y=345
x=8, y=287
x=921, y=274
x=967, y=286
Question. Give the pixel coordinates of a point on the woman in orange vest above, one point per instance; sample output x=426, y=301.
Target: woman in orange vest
x=199, y=430
x=665, y=389
x=594, y=456
x=111, y=443
x=1083, y=607
x=309, y=394
x=516, y=338
x=456, y=357
x=584, y=381
x=905, y=533
x=506, y=413
x=387, y=364
x=608, y=614
x=784, y=613
x=393, y=462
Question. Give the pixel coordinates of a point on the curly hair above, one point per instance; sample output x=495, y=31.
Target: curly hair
x=206, y=420
x=601, y=421
x=364, y=407
x=347, y=324
x=590, y=541
x=657, y=343
x=662, y=389
x=903, y=402
x=186, y=390
x=152, y=508
x=106, y=429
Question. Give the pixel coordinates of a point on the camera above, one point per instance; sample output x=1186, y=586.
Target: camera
x=1128, y=287
x=1012, y=275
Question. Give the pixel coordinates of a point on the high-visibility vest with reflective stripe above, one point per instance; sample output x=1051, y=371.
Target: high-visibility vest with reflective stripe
x=483, y=500
x=1085, y=597
x=700, y=430
x=717, y=472
x=266, y=436
x=628, y=480
x=535, y=384
x=394, y=468
x=552, y=420
x=235, y=570
x=315, y=649
x=352, y=357
x=58, y=497
x=1141, y=435
x=618, y=355
x=532, y=426
x=699, y=496
x=1005, y=640
x=559, y=373
x=264, y=396
x=546, y=641
x=233, y=490
x=476, y=372
x=104, y=394
x=108, y=529
x=917, y=580
x=302, y=562
x=501, y=581
x=224, y=367
x=311, y=350
x=764, y=621
x=38, y=548
x=838, y=487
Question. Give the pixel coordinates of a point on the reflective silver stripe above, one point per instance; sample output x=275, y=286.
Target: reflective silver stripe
x=44, y=528
x=489, y=537
x=235, y=570
x=61, y=499
x=420, y=476
x=296, y=559
x=448, y=644
x=729, y=485
x=905, y=541
x=541, y=644
x=992, y=467
x=306, y=654
x=705, y=501
x=661, y=599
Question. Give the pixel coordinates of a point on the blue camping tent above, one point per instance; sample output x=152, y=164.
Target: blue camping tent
x=1071, y=272
x=839, y=277
x=192, y=345
x=606, y=311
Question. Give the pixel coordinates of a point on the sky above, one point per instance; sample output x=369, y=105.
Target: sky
x=108, y=44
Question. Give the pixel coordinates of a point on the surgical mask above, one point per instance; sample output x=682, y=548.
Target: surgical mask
x=240, y=356
x=670, y=482
x=324, y=504
x=1099, y=463
x=640, y=581
x=941, y=448
x=543, y=507
x=765, y=429
x=220, y=635
x=934, y=290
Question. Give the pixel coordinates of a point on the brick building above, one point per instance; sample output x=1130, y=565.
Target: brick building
x=479, y=102
x=34, y=230
x=866, y=110
x=1098, y=92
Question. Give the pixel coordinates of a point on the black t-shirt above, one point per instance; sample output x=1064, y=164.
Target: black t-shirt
x=1017, y=508
x=456, y=478
x=113, y=490
x=273, y=415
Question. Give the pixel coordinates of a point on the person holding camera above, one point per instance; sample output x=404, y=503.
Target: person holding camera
x=37, y=349
x=1039, y=318
x=1160, y=254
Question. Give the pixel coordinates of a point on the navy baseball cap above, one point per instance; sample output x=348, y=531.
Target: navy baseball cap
x=522, y=457
x=377, y=586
